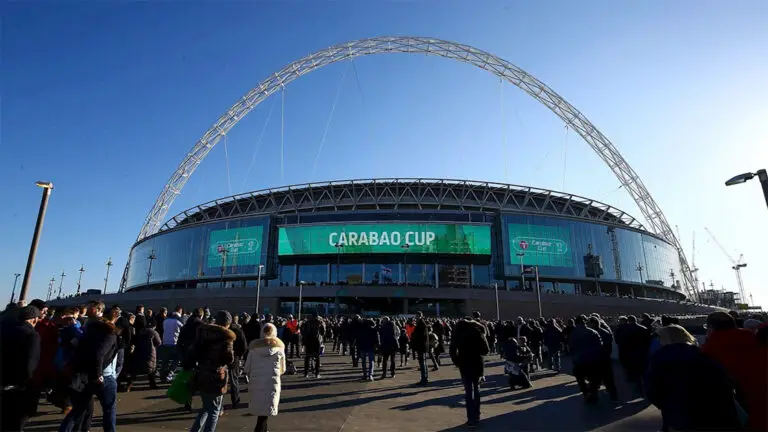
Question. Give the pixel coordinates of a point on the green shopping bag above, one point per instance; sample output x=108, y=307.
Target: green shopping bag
x=180, y=390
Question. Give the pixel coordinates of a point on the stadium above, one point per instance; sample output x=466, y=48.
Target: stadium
x=399, y=246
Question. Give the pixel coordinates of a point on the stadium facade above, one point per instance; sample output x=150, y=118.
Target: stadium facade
x=392, y=246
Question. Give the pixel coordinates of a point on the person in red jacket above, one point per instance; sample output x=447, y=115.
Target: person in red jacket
x=745, y=360
x=45, y=373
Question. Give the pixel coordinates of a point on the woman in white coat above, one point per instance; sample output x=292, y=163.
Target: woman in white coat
x=264, y=366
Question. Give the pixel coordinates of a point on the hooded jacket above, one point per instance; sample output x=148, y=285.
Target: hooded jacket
x=746, y=361
x=210, y=356
x=264, y=365
x=468, y=346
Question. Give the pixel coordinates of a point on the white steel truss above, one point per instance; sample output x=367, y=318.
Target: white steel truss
x=406, y=44
x=403, y=194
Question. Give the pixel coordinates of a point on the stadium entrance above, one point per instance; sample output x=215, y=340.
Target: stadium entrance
x=372, y=306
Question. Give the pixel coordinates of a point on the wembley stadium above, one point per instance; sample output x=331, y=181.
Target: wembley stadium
x=399, y=246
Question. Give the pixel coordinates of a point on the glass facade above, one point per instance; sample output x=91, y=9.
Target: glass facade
x=563, y=248
x=573, y=257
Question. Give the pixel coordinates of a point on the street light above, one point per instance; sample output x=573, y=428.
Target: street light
x=258, y=288
x=522, y=273
x=301, y=290
x=339, y=247
x=761, y=174
x=47, y=188
x=16, y=279
x=80, y=278
x=106, y=279
x=405, y=263
x=496, y=290
x=61, y=282
x=50, y=289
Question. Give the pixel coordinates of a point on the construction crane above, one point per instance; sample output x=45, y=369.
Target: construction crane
x=736, y=265
x=694, y=269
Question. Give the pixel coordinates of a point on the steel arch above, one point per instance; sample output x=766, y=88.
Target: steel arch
x=448, y=49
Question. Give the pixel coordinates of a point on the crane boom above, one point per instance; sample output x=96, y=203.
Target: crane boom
x=725, y=252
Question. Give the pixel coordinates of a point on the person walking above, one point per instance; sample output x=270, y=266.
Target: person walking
x=467, y=349
x=144, y=358
x=605, y=364
x=19, y=357
x=95, y=374
x=312, y=334
x=264, y=366
x=210, y=355
x=420, y=345
x=692, y=391
x=170, y=354
x=239, y=347
x=553, y=339
x=586, y=351
x=292, y=336
x=367, y=341
x=388, y=336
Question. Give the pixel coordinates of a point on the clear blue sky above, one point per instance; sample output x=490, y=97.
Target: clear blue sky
x=105, y=99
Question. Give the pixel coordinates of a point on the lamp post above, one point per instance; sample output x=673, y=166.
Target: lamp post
x=106, y=278
x=47, y=188
x=80, y=278
x=496, y=290
x=16, y=279
x=405, y=247
x=258, y=288
x=301, y=290
x=538, y=290
x=223, y=252
x=339, y=247
x=50, y=289
x=61, y=282
x=522, y=272
x=761, y=174
x=151, y=257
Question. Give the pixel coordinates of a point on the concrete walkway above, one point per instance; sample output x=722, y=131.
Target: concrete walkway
x=340, y=401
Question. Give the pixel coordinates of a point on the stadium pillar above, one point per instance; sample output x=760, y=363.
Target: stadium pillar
x=47, y=188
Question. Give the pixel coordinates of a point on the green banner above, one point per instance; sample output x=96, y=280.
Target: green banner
x=385, y=238
x=539, y=245
x=236, y=246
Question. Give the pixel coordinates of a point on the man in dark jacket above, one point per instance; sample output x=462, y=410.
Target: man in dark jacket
x=605, y=364
x=553, y=339
x=468, y=348
x=636, y=340
x=586, y=351
x=367, y=341
x=95, y=374
x=19, y=357
x=420, y=345
x=312, y=334
x=388, y=337
x=239, y=347
x=188, y=333
x=212, y=352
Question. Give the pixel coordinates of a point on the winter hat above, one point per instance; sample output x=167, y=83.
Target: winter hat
x=223, y=318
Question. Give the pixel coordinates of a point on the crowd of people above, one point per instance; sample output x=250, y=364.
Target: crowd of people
x=75, y=355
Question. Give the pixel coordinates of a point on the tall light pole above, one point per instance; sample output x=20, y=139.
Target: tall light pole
x=496, y=290
x=61, y=282
x=522, y=272
x=106, y=278
x=151, y=257
x=15, y=279
x=80, y=278
x=47, y=188
x=50, y=289
x=301, y=290
x=538, y=290
x=223, y=252
x=258, y=288
x=339, y=247
x=405, y=248
x=761, y=174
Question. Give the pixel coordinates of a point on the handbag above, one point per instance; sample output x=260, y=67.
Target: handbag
x=511, y=368
x=180, y=390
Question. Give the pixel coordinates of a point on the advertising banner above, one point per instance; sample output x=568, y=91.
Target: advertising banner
x=385, y=238
x=234, y=247
x=539, y=245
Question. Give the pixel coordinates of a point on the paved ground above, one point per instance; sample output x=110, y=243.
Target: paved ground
x=340, y=401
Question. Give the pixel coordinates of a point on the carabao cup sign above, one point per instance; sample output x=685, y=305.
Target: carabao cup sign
x=385, y=238
x=539, y=245
x=233, y=247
